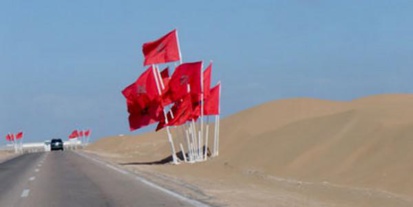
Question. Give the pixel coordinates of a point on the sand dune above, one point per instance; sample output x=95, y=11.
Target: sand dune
x=334, y=150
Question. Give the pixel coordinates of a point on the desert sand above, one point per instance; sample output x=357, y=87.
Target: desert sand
x=6, y=155
x=294, y=152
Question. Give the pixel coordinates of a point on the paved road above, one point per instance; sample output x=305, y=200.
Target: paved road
x=69, y=179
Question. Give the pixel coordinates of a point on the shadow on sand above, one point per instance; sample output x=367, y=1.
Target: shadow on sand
x=165, y=160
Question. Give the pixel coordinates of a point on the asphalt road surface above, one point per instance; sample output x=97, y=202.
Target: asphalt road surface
x=70, y=179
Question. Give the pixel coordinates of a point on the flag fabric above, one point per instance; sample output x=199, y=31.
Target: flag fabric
x=162, y=50
x=143, y=100
x=12, y=137
x=211, y=104
x=80, y=133
x=145, y=117
x=143, y=90
x=166, y=98
x=182, y=111
x=207, y=80
x=87, y=132
x=165, y=73
x=19, y=135
x=184, y=75
x=8, y=137
x=74, y=134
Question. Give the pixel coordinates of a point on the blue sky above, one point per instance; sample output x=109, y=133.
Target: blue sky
x=64, y=63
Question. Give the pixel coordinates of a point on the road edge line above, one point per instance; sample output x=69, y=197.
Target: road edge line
x=147, y=182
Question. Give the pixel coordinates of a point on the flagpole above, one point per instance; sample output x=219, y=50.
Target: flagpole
x=219, y=112
x=179, y=47
x=174, y=158
x=206, y=143
x=202, y=108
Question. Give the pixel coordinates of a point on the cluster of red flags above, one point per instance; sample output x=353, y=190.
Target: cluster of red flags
x=11, y=137
x=79, y=134
x=154, y=91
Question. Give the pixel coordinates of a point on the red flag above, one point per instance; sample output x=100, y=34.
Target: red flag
x=211, y=104
x=184, y=75
x=143, y=100
x=12, y=138
x=74, y=134
x=166, y=95
x=87, y=133
x=144, y=117
x=162, y=50
x=183, y=112
x=19, y=135
x=165, y=74
x=207, y=80
x=8, y=137
x=143, y=90
x=80, y=133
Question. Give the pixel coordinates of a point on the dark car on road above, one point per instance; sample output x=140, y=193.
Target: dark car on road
x=56, y=144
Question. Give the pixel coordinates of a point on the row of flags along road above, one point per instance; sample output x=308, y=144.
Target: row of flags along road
x=16, y=140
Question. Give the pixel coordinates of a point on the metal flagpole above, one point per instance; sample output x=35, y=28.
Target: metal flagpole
x=219, y=112
x=183, y=152
x=174, y=158
x=179, y=47
x=206, y=143
x=215, y=136
x=201, y=140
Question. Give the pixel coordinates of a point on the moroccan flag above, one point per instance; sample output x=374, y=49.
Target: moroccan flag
x=19, y=135
x=143, y=90
x=80, y=133
x=12, y=138
x=184, y=75
x=8, y=137
x=181, y=111
x=207, y=80
x=211, y=104
x=87, y=133
x=74, y=134
x=162, y=123
x=145, y=116
x=166, y=95
x=163, y=50
x=165, y=73
x=196, y=110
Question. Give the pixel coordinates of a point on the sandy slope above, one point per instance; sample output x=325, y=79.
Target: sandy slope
x=297, y=152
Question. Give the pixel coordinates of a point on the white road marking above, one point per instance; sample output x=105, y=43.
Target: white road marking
x=25, y=193
x=36, y=170
x=117, y=169
x=32, y=178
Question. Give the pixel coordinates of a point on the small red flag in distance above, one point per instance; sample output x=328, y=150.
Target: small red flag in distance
x=8, y=138
x=19, y=135
x=162, y=50
x=87, y=133
x=184, y=75
x=211, y=105
x=74, y=134
x=80, y=133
